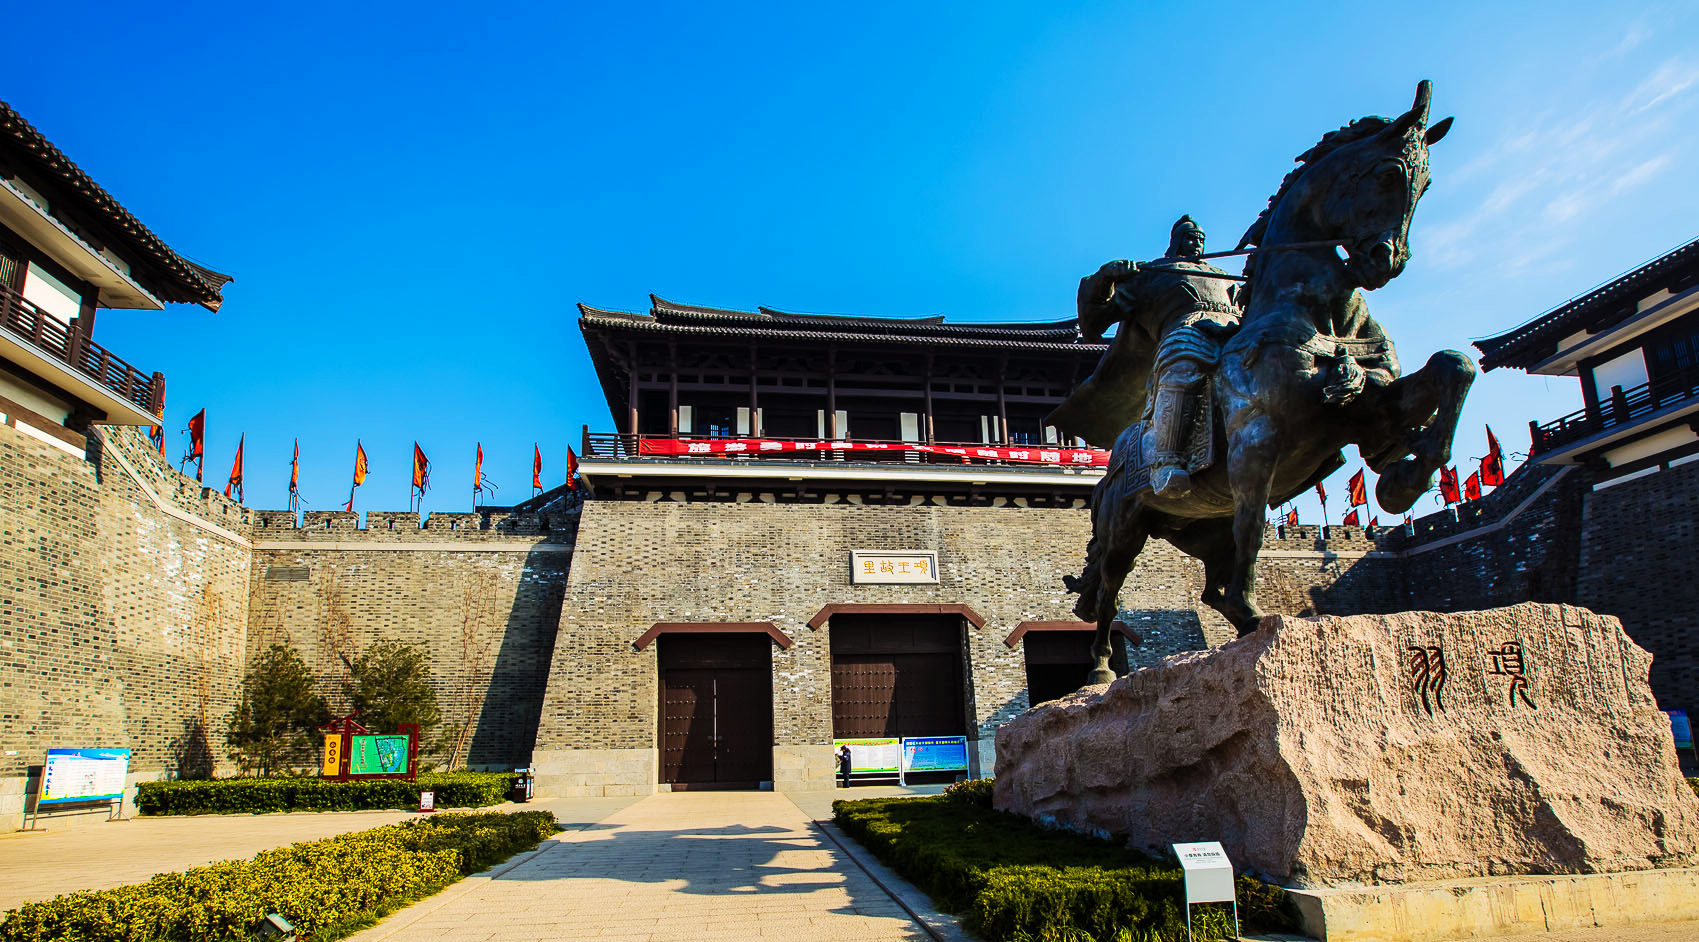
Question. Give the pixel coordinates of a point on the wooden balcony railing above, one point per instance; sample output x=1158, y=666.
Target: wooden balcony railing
x=1617, y=408
x=66, y=342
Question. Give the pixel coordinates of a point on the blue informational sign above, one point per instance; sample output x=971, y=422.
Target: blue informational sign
x=935, y=754
x=1682, y=729
x=83, y=775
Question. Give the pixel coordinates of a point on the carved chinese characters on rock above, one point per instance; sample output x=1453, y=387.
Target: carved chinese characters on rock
x=1427, y=675
x=1509, y=661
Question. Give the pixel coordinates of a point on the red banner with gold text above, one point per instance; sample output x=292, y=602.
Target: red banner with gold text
x=722, y=447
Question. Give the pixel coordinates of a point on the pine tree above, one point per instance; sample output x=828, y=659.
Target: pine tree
x=271, y=727
x=390, y=684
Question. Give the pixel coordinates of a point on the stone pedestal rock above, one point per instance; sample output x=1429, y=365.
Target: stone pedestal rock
x=1375, y=749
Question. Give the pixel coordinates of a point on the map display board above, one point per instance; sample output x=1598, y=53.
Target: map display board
x=378, y=755
x=869, y=756
x=935, y=754
x=83, y=775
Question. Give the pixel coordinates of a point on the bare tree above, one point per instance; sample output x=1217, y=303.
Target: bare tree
x=479, y=610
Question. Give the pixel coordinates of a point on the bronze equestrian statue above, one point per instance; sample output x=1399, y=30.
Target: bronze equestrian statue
x=1305, y=373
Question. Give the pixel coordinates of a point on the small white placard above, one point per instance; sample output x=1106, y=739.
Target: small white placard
x=1209, y=874
x=427, y=801
x=876, y=567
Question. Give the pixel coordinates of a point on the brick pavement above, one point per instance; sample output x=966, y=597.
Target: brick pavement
x=686, y=865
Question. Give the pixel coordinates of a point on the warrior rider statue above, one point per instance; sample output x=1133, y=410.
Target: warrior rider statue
x=1173, y=323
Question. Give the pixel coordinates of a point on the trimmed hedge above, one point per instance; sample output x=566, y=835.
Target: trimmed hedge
x=1013, y=881
x=328, y=889
x=262, y=795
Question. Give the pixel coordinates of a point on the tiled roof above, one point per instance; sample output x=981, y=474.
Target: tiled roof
x=1526, y=346
x=682, y=319
x=181, y=280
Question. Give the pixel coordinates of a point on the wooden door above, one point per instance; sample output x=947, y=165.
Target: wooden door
x=716, y=710
x=895, y=675
x=1057, y=662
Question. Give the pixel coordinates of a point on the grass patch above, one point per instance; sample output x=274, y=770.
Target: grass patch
x=328, y=888
x=266, y=795
x=1013, y=881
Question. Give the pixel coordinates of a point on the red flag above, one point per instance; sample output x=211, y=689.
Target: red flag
x=156, y=435
x=359, y=472
x=197, y=441
x=1292, y=517
x=1492, y=466
x=295, y=468
x=1472, y=487
x=421, y=469
x=1359, y=491
x=1448, y=485
x=1321, y=492
x=1351, y=519
x=478, y=470
x=537, y=466
x=235, y=482
x=571, y=468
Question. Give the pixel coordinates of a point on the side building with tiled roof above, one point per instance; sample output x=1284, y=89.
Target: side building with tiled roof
x=1631, y=452
x=68, y=249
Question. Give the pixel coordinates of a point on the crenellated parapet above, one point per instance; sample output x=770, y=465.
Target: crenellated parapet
x=388, y=526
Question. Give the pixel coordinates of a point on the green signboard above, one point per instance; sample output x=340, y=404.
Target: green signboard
x=378, y=755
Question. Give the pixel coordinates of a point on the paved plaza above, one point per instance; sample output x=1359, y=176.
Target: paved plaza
x=685, y=865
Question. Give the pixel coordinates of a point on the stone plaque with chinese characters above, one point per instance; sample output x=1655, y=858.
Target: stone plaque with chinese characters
x=886, y=567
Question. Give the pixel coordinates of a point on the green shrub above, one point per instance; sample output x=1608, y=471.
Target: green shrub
x=1013, y=881
x=328, y=888
x=271, y=727
x=974, y=791
x=1693, y=783
x=262, y=795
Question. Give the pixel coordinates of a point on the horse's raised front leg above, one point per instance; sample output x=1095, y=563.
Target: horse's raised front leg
x=1250, y=470
x=1429, y=401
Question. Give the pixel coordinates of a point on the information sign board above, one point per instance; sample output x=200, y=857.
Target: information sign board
x=1681, y=728
x=377, y=755
x=1209, y=878
x=935, y=754
x=869, y=756
x=83, y=775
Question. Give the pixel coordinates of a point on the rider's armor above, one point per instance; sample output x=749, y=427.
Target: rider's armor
x=1184, y=317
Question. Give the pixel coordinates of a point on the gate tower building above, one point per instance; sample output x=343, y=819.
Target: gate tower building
x=805, y=528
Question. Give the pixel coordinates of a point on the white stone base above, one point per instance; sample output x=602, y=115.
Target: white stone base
x=1484, y=907
x=595, y=773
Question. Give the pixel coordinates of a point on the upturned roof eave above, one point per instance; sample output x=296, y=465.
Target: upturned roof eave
x=183, y=281
x=1524, y=346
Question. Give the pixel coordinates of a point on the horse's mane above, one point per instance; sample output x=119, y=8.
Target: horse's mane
x=1330, y=142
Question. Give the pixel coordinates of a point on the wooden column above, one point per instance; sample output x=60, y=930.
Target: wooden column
x=1003, y=399
x=672, y=387
x=832, y=393
x=631, y=389
x=754, y=398
x=931, y=361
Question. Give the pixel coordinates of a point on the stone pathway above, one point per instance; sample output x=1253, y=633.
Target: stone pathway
x=685, y=865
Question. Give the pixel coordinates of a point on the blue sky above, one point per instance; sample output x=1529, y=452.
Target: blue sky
x=412, y=198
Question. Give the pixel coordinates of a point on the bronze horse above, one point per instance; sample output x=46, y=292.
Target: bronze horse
x=1307, y=373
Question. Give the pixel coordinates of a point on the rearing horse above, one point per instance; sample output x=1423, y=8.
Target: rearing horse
x=1307, y=373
